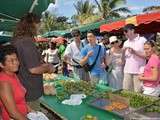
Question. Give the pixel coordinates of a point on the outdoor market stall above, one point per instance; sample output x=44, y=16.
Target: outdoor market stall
x=101, y=101
x=74, y=112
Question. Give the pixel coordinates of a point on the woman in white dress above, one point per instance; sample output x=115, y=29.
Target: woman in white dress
x=115, y=64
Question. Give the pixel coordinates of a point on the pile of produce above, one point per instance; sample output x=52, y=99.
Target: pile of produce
x=49, y=89
x=116, y=106
x=154, y=108
x=136, y=99
x=101, y=94
x=75, y=87
x=48, y=76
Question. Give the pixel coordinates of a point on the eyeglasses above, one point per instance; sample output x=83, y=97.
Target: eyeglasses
x=114, y=42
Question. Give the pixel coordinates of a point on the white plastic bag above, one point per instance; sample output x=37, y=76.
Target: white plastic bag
x=75, y=99
x=37, y=116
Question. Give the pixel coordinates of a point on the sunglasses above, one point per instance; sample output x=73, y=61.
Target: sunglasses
x=114, y=42
x=76, y=35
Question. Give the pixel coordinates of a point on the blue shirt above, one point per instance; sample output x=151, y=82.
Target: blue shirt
x=97, y=70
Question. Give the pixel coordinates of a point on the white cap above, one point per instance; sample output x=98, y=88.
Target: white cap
x=113, y=39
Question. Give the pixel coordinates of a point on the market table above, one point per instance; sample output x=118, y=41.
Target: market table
x=67, y=112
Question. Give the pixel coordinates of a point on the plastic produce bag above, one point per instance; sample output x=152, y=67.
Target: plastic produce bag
x=36, y=116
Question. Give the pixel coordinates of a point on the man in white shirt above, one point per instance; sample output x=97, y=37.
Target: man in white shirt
x=133, y=54
x=73, y=54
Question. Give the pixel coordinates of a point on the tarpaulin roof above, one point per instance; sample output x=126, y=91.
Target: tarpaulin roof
x=91, y=26
x=12, y=10
x=83, y=28
x=5, y=38
x=56, y=33
x=152, y=19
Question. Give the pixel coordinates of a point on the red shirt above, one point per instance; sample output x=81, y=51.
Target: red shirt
x=18, y=94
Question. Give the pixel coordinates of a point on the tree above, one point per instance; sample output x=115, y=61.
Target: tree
x=84, y=7
x=151, y=9
x=111, y=8
x=52, y=22
x=85, y=10
x=62, y=19
x=48, y=22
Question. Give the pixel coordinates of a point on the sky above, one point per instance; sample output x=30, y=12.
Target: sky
x=66, y=8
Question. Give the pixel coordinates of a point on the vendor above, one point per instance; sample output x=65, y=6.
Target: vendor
x=151, y=76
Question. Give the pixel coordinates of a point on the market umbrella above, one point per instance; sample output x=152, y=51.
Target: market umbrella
x=149, y=22
x=41, y=39
x=59, y=40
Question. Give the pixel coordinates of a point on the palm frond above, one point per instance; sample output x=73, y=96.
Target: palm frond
x=151, y=8
x=99, y=6
x=114, y=15
x=115, y=3
x=122, y=9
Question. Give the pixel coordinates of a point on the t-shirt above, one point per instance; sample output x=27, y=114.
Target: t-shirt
x=61, y=50
x=73, y=52
x=132, y=61
x=18, y=94
x=52, y=55
x=29, y=57
x=154, y=61
x=97, y=70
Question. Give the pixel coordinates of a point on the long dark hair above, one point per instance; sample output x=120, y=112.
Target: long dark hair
x=26, y=27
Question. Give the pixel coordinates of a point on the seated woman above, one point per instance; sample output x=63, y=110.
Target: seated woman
x=12, y=93
x=151, y=75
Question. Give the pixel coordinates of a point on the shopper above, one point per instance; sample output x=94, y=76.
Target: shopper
x=151, y=75
x=134, y=58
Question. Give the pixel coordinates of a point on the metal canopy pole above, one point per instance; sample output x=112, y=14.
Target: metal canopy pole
x=35, y=2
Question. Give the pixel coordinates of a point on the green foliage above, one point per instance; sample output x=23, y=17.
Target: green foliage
x=85, y=12
x=111, y=8
x=52, y=22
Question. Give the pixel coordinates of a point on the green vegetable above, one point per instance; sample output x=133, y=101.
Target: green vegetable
x=154, y=108
x=136, y=99
x=75, y=87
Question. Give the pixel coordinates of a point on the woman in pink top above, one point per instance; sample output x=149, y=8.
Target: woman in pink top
x=151, y=76
x=12, y=93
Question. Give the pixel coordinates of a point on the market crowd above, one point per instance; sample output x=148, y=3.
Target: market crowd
x=133, y=65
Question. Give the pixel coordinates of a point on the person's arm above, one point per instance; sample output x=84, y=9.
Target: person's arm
x=85, y=58
x=47, y=57
x=137, y=53
x=43, y=68
x=68, y=54
x=104, y=58
x=6, y=96
x=153, y=77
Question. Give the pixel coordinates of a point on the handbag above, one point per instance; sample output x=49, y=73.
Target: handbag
x=88, y=67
